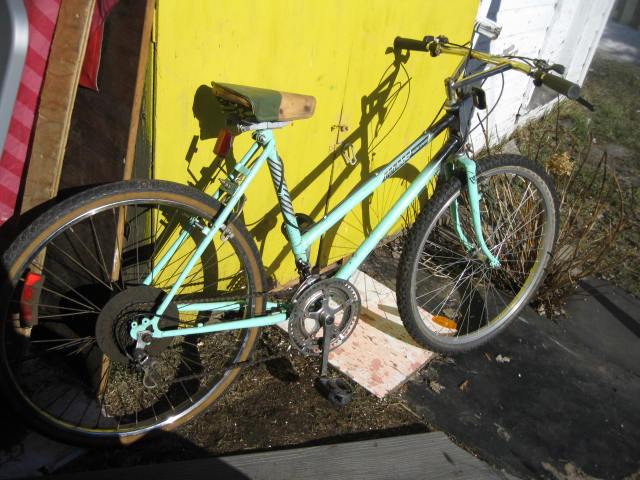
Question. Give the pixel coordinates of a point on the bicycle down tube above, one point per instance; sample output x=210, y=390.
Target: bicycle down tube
x=268, y=151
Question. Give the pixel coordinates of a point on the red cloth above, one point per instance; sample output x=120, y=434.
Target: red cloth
x=91, y=65
x=43, y=15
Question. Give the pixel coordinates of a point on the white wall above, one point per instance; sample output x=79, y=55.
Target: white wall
x=560, y=31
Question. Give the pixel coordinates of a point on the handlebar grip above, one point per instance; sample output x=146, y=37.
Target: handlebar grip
x=409, y=44
x=569, y=89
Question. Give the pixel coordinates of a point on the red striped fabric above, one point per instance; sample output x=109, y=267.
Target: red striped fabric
x=43, y=15
x=91, y=65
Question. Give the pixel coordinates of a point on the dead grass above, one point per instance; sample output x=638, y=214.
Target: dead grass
x=593, y=217
x=599, y=230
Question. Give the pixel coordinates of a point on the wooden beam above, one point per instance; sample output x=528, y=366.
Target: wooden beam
x=145, y=40
x=424, y=455
x=57, y=101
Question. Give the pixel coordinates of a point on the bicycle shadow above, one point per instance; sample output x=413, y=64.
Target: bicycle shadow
x=379, y=115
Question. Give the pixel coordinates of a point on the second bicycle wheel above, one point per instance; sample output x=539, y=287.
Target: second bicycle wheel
x=449, y=297
x=83, y=272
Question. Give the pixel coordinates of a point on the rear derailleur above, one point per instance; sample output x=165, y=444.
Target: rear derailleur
x=147, y=363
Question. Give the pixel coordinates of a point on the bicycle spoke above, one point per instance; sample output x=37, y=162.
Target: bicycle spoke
x=57, y=360
x=85, y=269
x=469, y=299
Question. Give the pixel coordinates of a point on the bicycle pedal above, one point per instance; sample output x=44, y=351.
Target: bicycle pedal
x=336, y=390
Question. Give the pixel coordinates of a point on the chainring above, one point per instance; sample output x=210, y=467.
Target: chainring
x=334, y=298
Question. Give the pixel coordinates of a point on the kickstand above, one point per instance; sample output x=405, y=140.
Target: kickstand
x=336, y=390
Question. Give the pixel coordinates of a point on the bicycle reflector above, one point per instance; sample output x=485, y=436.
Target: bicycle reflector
x=223, y=144
x=29, y=299
x=445, y=322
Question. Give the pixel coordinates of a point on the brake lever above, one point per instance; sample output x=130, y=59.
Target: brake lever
x=546, y=67
x=434, y=44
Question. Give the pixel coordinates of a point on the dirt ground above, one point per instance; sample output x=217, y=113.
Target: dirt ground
x=274, y=405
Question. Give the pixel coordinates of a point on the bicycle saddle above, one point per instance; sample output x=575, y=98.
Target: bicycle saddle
x=267, y=105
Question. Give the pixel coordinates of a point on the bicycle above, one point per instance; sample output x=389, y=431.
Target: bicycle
x=134, y=305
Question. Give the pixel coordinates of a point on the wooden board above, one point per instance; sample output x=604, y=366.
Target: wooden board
x=370, y=103
x=426, y=455
x=295, y=106
x=143, y=57
x=380, y=355
x=56, y=101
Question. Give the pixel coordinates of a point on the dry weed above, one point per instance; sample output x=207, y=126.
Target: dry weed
x=592, y=211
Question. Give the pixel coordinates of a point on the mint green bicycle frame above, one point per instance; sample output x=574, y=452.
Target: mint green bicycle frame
x=300, y=242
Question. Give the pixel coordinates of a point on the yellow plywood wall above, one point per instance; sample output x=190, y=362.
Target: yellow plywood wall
x=336, y=50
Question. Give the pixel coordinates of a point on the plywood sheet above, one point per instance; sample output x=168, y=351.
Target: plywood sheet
x=336, y=51
x=379, y=355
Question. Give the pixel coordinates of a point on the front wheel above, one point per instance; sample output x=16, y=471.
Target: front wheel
x=83, y=272
x=449, y=297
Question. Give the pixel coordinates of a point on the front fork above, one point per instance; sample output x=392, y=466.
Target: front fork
x=474, y=203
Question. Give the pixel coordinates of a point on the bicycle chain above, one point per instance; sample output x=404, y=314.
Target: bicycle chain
x=278, y=296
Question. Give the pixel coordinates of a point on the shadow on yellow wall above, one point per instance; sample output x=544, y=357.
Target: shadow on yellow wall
x=371, y=105
x=373, y=127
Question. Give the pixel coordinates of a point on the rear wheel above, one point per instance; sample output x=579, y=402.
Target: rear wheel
x=76, y=282
x=449, y=297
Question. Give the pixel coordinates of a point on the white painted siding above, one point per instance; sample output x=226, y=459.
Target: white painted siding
x=560, y=31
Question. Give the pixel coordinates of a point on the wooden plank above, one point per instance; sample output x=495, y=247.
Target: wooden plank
x=295, y=106
x=426, y=455
x=145, y=40
x=380, y=355
x=57, y=101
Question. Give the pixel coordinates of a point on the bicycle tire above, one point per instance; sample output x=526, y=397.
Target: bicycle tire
x=450, y=299
x=61, y=364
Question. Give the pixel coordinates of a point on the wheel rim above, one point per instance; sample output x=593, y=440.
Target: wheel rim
x=56, y=366
x=457, y=295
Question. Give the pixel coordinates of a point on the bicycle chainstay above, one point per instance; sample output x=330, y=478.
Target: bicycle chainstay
x=280, y=296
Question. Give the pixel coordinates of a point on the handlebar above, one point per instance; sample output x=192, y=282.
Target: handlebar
x=410, y=44
x=539, y=71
